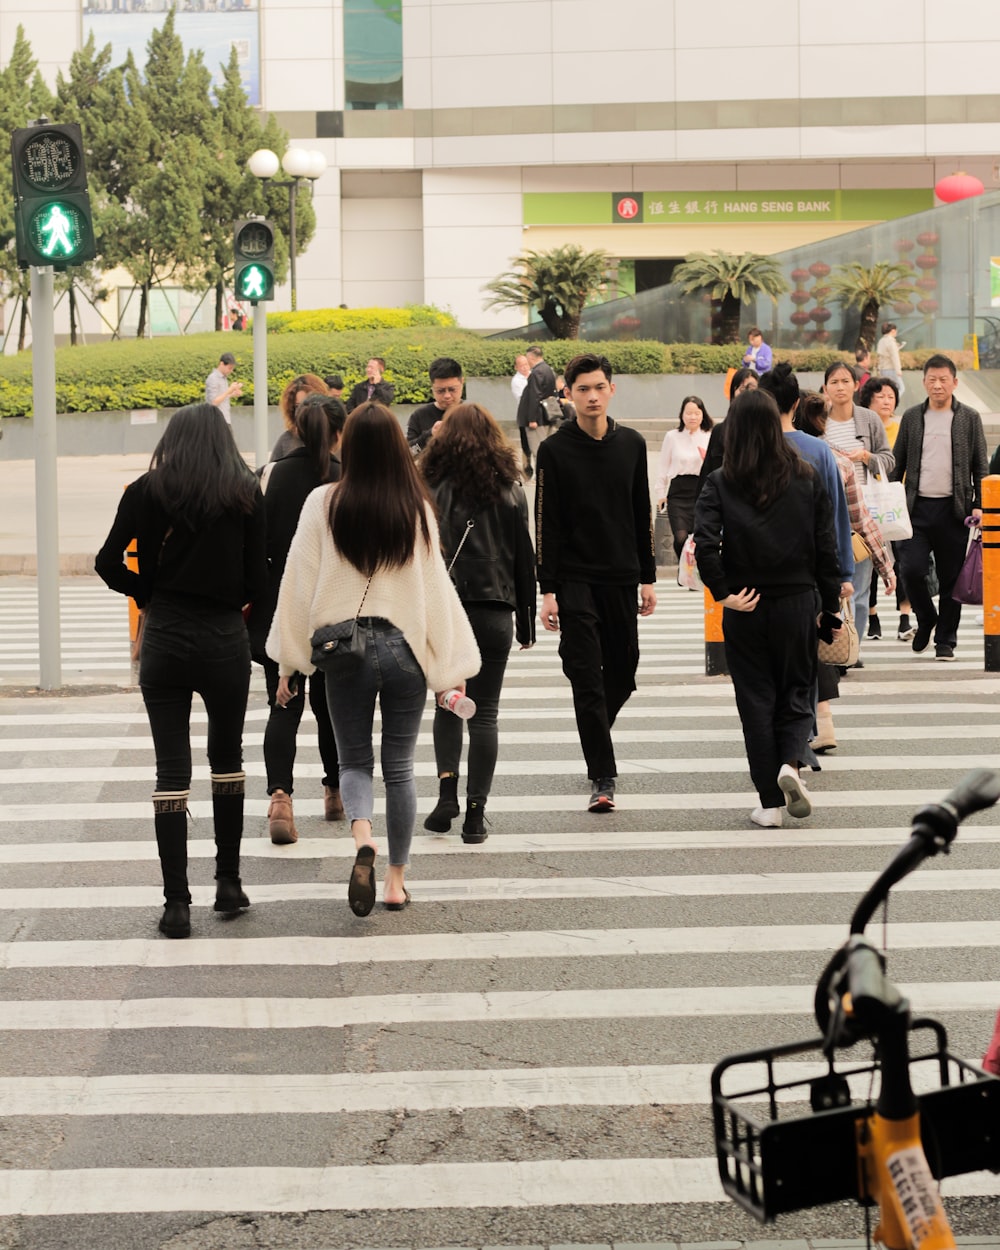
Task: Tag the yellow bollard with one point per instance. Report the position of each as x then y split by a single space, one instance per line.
991 572
715 647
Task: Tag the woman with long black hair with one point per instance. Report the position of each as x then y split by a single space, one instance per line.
319 422
775 570
472 474
198 518
681 458
368 548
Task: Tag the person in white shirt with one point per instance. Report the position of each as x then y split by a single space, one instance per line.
680 465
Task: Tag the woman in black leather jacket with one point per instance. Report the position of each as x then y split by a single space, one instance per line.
472 475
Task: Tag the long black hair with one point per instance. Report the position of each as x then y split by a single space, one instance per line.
380 502
758 461
706 420
196 470
318 421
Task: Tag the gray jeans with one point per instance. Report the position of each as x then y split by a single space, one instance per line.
391 674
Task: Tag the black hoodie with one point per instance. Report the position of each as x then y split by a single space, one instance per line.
593 520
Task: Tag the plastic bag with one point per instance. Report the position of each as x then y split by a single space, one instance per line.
687 567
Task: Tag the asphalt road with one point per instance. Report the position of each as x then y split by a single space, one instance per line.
522 1057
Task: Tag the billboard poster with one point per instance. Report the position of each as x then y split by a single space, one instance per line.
995 281
128 24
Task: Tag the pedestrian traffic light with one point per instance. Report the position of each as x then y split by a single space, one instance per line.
254 244
52 218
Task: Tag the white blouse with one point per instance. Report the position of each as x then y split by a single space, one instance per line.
681 454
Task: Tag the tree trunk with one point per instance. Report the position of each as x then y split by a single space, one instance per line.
729 325
869 323
220 303
143 305
554 321
23 328
72 313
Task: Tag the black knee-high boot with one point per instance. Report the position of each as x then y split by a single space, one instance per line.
170 822
227 811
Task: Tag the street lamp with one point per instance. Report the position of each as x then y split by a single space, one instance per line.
299 164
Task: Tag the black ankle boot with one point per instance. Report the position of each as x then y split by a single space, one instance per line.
474 825
229 896
439 820
176 920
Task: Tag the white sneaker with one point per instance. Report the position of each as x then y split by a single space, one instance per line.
766 817
795 792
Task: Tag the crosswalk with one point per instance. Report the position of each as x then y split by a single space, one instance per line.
521 1056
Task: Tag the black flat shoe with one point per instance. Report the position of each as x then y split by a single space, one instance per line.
400 906
361 887
229 896
176 920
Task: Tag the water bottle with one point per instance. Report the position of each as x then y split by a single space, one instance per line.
459 703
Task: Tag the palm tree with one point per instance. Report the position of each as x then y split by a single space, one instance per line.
732 280
557 284
868 289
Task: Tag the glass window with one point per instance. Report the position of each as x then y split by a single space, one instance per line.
373 54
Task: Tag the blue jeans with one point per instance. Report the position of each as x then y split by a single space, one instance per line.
493 626
390 673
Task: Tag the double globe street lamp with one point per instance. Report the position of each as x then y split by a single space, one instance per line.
300 165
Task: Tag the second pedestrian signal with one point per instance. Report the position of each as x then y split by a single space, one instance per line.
254 247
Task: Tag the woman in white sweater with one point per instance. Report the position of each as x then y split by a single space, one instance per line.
681 458
369 548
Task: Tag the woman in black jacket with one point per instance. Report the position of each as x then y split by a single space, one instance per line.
472 474
198 518
319 423
765 548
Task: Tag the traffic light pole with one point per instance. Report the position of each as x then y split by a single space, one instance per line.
260 384
43 365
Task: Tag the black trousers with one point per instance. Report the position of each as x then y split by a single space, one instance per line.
493 626
681 499
599 649
771 653
937 530
283 727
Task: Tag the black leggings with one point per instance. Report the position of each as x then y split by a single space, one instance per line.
283 727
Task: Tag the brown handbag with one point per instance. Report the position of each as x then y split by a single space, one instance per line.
845 648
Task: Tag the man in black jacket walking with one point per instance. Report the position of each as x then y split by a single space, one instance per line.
531 415
940 450
594 547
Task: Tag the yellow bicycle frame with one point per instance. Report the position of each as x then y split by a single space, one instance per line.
893 1170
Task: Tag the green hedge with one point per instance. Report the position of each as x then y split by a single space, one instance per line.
171 372
336 320
701 358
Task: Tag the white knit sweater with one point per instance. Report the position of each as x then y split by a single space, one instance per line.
320 587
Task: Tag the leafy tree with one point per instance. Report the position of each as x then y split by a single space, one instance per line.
733 280
557 284
858 286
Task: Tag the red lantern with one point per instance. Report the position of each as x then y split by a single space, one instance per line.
800 318
820 293
819 270
800 297
903 307
819 315
800 275
927 260
821 336
960 186
904 245
928 238
927 283
928 306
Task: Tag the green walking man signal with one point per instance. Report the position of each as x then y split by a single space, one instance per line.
52 217
253 244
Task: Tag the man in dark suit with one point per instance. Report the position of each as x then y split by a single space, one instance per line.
940 452
374 386
531 414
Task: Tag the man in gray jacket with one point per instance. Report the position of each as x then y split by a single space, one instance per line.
941 454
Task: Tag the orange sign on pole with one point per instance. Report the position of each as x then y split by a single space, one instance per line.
715 647
991 572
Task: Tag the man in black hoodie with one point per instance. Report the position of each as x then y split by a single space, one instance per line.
594 540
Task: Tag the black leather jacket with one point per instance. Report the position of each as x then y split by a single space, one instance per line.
497 562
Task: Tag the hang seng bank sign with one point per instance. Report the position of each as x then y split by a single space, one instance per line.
638 208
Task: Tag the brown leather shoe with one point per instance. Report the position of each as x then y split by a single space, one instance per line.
281 822
333 805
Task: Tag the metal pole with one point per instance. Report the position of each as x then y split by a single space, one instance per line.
293 190
973 261
259 384
43 369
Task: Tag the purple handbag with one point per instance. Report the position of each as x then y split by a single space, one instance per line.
968 586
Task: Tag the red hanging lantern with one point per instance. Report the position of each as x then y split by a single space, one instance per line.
926 260
928 306
904 245
927 283
820 293
819 270
821 336
800 318
928 238
800 297
819 315
800 275
903 307
960 186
